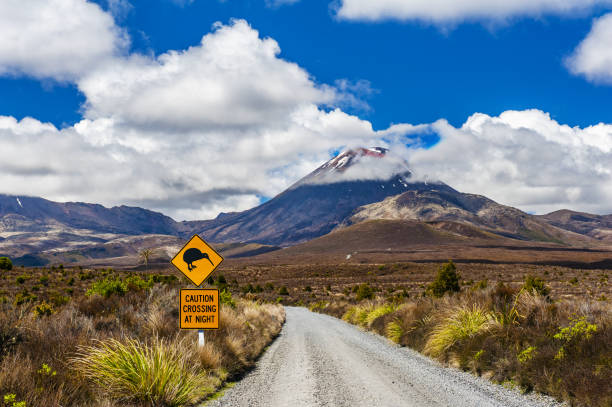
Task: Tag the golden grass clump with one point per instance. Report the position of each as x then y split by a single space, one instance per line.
159 373
461 323
379 311
394 331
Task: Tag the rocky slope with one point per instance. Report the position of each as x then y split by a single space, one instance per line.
469 209
596 226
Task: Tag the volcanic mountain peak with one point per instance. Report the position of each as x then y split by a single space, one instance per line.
359 164
347 158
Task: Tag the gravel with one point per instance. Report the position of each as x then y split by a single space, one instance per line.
319 360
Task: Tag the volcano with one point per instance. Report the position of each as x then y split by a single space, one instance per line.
321 201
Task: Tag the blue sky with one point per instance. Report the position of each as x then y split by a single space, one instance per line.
528 83
419 72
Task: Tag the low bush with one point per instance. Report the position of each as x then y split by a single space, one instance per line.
118 286
108 287
446 281
535 284
6 264
364 292
225 298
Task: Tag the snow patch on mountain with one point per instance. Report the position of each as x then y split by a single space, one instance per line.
360 164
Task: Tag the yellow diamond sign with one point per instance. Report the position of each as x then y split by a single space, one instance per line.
197 260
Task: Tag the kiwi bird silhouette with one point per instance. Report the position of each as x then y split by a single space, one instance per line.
192 255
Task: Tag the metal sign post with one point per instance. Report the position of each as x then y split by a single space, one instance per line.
198 308
201 338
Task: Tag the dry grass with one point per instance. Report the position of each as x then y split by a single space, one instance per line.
36 351
558 347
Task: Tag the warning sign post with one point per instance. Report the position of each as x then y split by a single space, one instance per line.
199 309
197 260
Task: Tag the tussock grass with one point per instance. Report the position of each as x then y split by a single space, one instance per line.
510 334
378 312
462 323
394 331
156 374
125 349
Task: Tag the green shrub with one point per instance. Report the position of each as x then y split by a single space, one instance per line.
363 292
447 280
6 263
283 291
58 300
481 285
159 374
10 400
578 330
527 354
22 279
24 297
225 297
108 287
535 284
137 283
43 310
44 280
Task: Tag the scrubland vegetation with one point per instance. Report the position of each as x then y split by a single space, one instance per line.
518 336
73 337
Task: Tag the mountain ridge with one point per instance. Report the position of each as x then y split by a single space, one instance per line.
346 190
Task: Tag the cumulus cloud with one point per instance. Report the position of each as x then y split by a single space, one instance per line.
59 39
190 133
233 78
443 11
524 159
593 57
219 125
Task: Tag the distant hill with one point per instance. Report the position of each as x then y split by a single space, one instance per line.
596 226
23 213
475 210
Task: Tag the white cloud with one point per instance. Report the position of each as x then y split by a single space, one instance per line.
524 159
119 8
593 57
60 39
232 79
214 127
188 133
443 11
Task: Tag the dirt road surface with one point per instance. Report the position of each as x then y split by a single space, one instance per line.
321 361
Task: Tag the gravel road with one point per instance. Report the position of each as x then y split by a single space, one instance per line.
321 361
